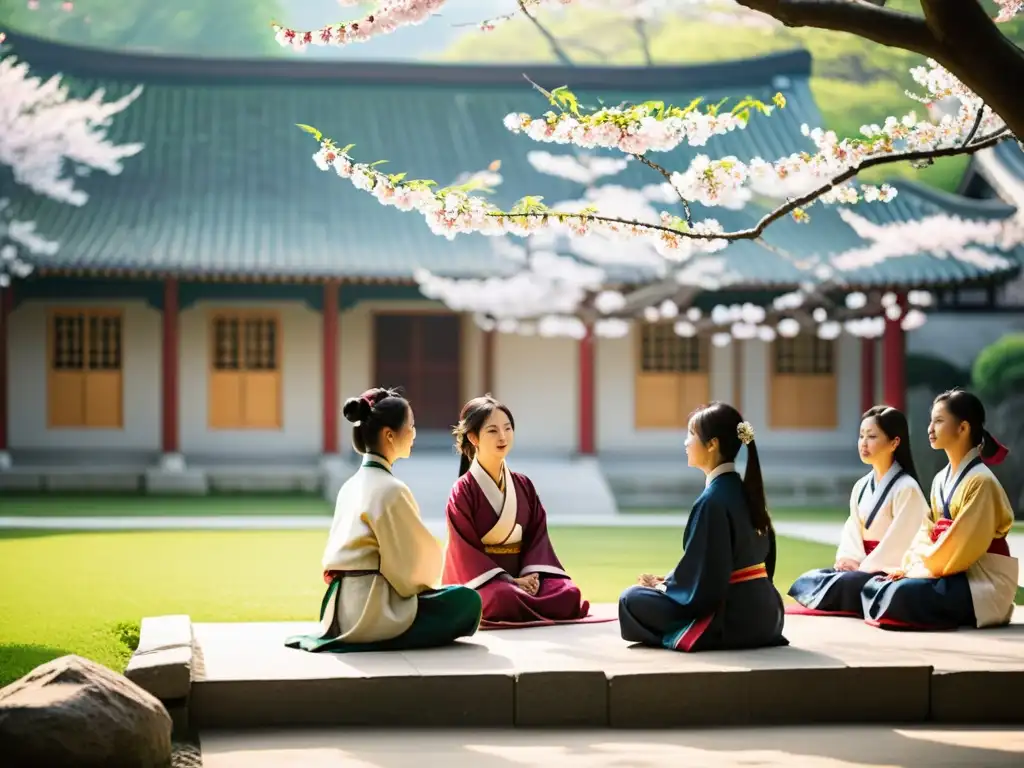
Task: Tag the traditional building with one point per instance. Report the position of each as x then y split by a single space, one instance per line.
212 306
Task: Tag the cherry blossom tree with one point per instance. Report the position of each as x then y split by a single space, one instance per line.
47 138
552 296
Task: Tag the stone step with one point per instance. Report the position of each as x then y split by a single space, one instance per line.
834 671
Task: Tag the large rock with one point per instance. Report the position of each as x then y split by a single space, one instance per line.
74 713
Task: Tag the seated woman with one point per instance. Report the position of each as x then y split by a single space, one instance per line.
958 571
887 508
381 564
498 540
720 594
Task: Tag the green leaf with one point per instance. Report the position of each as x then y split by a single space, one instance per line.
375 163
310 129
346 149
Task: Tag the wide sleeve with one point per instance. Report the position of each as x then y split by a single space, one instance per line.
700 579
909 512
971 533
466 562
410 556
851 540
538 555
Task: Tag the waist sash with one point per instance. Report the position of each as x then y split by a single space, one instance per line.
502 549
995 547
331 576
751 572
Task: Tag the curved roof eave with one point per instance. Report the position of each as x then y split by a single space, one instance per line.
85 61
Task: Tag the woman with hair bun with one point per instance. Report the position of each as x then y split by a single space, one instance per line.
720 594
958 571
498 541
381 563
887 508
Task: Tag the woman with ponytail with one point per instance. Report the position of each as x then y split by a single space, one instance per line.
381 564
958 571
498 541
720 594
887 508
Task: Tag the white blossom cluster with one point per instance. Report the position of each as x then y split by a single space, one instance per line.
47 139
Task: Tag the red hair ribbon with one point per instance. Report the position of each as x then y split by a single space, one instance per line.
1000 454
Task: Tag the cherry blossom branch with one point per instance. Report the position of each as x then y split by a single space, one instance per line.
790 206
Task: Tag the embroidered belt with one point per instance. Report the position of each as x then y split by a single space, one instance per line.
751 572
330 576
502 549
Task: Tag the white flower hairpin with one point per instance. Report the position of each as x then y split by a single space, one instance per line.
745 432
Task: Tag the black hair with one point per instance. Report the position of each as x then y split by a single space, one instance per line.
966 407
893 424
720 420
372 412
472 418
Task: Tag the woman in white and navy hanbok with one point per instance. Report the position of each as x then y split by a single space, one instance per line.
887 508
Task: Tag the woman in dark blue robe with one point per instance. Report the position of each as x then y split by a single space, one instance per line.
720 595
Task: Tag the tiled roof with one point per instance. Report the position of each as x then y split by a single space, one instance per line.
226 186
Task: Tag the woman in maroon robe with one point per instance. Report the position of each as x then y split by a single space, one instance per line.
498 540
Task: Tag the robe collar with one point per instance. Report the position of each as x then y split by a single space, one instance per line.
721 469
948 480
377 458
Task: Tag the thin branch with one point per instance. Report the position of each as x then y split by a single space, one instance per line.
791 205
668 177
977 124
640 28
552 41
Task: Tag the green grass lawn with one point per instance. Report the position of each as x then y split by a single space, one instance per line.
85 593
133 505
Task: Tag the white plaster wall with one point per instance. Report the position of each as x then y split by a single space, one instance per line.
27 390
615 381
538 378
301 384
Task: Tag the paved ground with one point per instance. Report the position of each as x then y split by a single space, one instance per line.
832 747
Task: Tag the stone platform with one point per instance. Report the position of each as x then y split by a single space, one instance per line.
834 671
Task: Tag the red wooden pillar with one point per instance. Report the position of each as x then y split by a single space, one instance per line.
487 362
169 363
586 394
6 307
867 374
894 360
330 367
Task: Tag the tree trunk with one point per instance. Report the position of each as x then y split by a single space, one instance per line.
958 34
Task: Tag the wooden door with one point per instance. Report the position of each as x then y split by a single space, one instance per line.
421 353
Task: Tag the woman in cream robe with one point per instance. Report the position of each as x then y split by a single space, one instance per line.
382 566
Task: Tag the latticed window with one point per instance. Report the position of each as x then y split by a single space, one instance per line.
662 350
84 380
248 343
245 380
804 355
